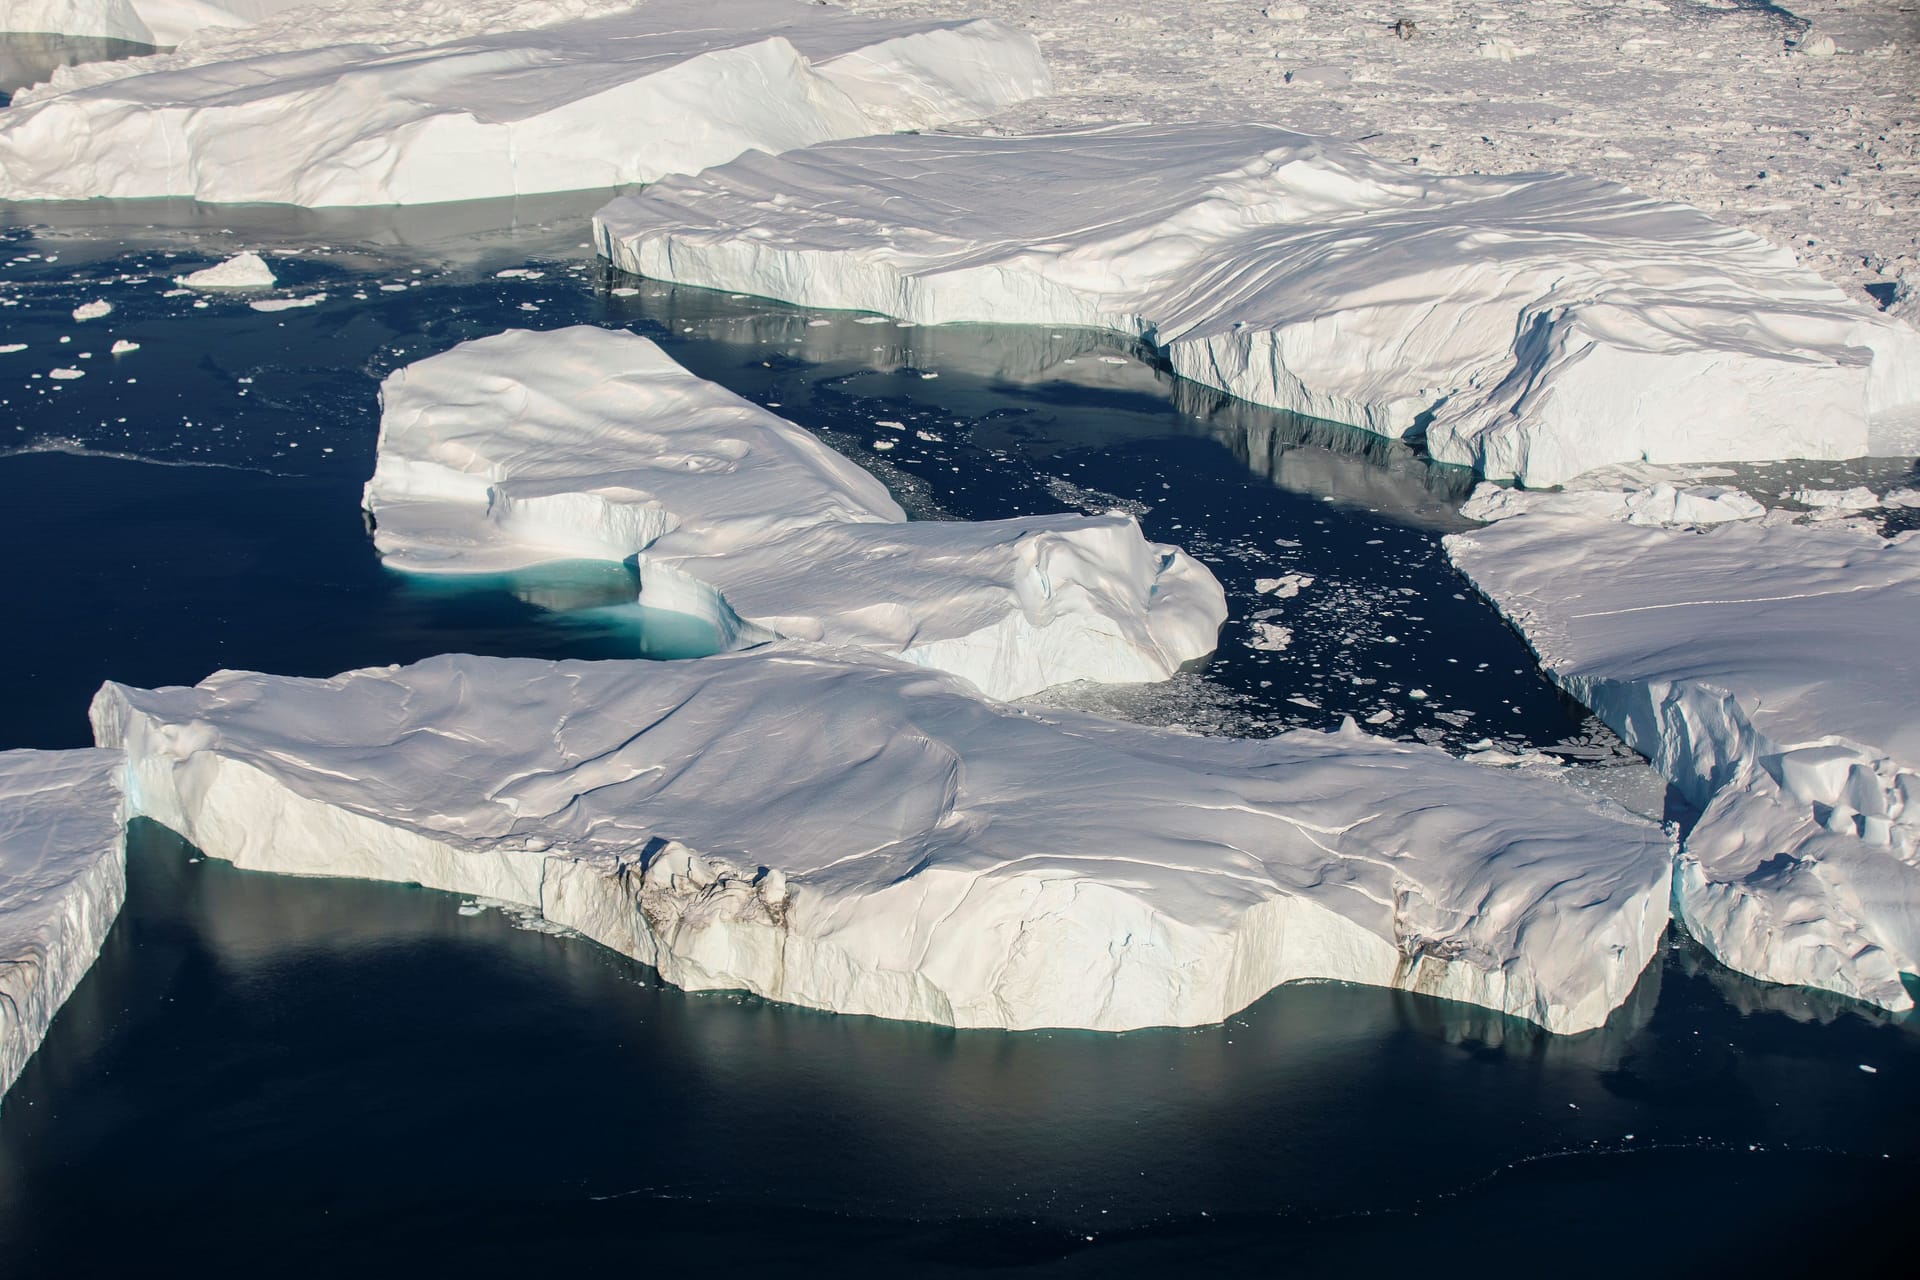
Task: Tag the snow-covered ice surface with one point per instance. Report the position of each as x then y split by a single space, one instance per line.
1534 326
63 876
344 105
1767 667
586 443
850 833
159 22
1708 102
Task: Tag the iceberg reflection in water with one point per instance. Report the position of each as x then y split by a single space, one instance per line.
342 1065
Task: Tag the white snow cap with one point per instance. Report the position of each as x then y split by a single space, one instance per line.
1767 670
939 857
357 105
62 879
1535 325
242 271
588 443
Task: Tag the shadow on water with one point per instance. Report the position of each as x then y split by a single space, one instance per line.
321 1070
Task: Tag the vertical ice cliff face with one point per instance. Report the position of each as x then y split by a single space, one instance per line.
346 104
839 830
1767 669
593 444
63 876
1530 325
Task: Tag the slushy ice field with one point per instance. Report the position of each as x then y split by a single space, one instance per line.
325 1072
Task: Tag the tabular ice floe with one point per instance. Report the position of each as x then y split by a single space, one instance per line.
1534 325
586 443
1768 669
63 877
846 832
668 87
159 22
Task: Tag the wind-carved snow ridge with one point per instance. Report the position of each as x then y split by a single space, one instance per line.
63 876
333 105
158 22
588 443
1532 325
843 831
1768 669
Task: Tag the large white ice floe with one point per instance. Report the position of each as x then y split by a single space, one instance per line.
1768 669
847 832
588 443
158 22
1535 325
666 87
63 876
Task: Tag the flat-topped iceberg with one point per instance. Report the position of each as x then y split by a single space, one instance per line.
851 833
588 443
1533 325
63 876
158 22
667 87
1768 669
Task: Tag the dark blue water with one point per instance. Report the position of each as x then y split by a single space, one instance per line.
308 1075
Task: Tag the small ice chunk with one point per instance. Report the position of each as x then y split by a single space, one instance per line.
242 271
1285 587
66 375
288 304
1271 636
93 310
121 347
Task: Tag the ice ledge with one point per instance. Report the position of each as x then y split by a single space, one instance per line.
854 834
1532 325
63 878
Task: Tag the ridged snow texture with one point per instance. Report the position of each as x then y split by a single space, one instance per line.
668 87
589 443
856 834
164 22
63 876
1768 670
1536 325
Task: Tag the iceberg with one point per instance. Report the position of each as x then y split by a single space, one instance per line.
313 112
1533 326
157 22
847 832
63 877
1766 668
588 443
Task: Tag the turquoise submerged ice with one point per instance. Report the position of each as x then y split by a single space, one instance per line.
588 443
847 832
